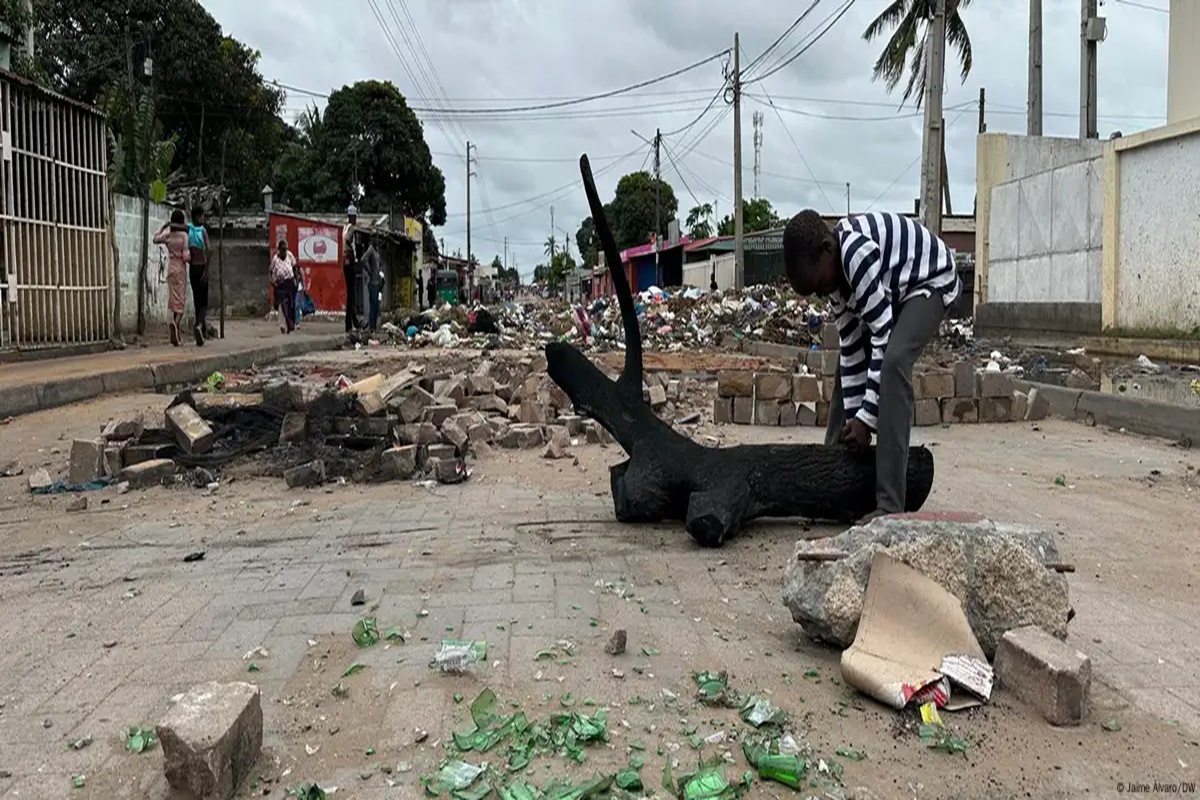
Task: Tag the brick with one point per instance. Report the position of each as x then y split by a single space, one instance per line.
148 473
658 396
447 470
87 460
806 388
596 433
532 412
1047 673
927 412
772 386
289 395
211 739
439 413
193 434
766 412
481 384
830 338
422 433
206 403
400 463
572 422
960 409
806 414
723 410
993 384
674 391
524 437
40 480
823 362
1038 407
488 403
787 414
995 409
294 428
310 474
411 407
137 453
934 385
743 410
828 387
363 426
735 383
481 433
822 414
455 436
1020 404
964 379
123 428
114 461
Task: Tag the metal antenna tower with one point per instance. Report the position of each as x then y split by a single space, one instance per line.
758 123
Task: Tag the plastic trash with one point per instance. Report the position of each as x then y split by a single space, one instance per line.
456 657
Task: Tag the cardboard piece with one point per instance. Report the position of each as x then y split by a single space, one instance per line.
914 643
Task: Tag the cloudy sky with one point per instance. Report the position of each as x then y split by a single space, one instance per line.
453 55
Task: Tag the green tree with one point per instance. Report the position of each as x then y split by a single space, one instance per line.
561 266
757 215
586 241
632 213
208 88
140 156
550 247
905 19
699 221
367 136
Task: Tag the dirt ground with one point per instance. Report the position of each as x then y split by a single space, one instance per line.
106 622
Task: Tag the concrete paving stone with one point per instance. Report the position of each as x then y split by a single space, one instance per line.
493 576
185 675
240 638
86 691
1168 704
533 591
575 604
128 380
206 624
292 608
71 390
292 577
519 614
326 583
317 625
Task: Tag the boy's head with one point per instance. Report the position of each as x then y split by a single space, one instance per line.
810 257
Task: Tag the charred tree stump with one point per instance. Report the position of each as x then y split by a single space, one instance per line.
714 491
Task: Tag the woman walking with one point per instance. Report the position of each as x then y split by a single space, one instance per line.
198 271
283 278
175 236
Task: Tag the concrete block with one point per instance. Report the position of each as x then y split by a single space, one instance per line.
370 403
488 403
830 338
993 384
787 414
934 385
743 410
964 379
448 470
822 414
211 739
823 362
400 463
596 433
418 433
735 383
70 390
658 396
193 434
723 410
40 480
1046 673
766 412
439 413
455 436
560 400
772 386
806 388
480 384
674 391
572 422
310 474
480 433
828 387
504 391
435 451
137 453
412 404
1038 407
523 437
1020 405
960 409
294 428
531 412
995 409
87 460
806 414
123 428
927 412
148 473
114 461
289 395
206 403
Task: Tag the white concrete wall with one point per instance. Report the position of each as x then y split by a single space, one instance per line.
1158 250
1046 234
700 273
1183 62
128 228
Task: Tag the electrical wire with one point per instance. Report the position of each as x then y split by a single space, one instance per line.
787 31
799 152
671 158
1145 6
789 59
913 163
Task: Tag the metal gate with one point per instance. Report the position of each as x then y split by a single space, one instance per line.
56 267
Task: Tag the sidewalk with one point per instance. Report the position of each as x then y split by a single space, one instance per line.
36 385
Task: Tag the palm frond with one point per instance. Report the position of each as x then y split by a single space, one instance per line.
889 18
957 36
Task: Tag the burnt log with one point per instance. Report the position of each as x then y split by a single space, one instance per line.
714 491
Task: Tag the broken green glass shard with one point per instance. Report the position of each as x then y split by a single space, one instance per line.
139 740
851 754
759 711
394 635
353 668
629 780
774 766
307 791
519 791
712 689
365 632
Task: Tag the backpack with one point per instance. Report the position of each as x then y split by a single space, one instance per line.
195 236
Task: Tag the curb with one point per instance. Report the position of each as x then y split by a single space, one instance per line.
1136 415
156 376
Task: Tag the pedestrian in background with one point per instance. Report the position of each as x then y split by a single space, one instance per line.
283 279
174 235
198 251
374 269
350 266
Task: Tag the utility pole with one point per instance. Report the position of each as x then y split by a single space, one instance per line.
1033 112
1092 30
200 145
552 241
931 167
657 204
847 198
469 175
739 262
506 255
945 171
221 240
29 40
982 110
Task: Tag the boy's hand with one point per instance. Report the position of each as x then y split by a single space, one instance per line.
856 436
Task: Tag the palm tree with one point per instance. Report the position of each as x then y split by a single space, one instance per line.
698 221
905 19
551 247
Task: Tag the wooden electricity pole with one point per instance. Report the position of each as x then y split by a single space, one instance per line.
931 167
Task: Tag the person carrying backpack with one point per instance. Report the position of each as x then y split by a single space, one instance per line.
198 271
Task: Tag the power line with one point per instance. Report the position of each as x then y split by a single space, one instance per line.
799 152
789 59
705 110
671 158
782 36
912 163
1145 6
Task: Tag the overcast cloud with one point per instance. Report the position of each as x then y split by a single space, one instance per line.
487 53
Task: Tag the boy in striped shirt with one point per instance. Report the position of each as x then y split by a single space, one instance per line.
889 281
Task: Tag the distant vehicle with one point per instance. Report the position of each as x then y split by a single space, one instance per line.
447 286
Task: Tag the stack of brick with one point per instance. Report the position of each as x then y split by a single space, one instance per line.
943 396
